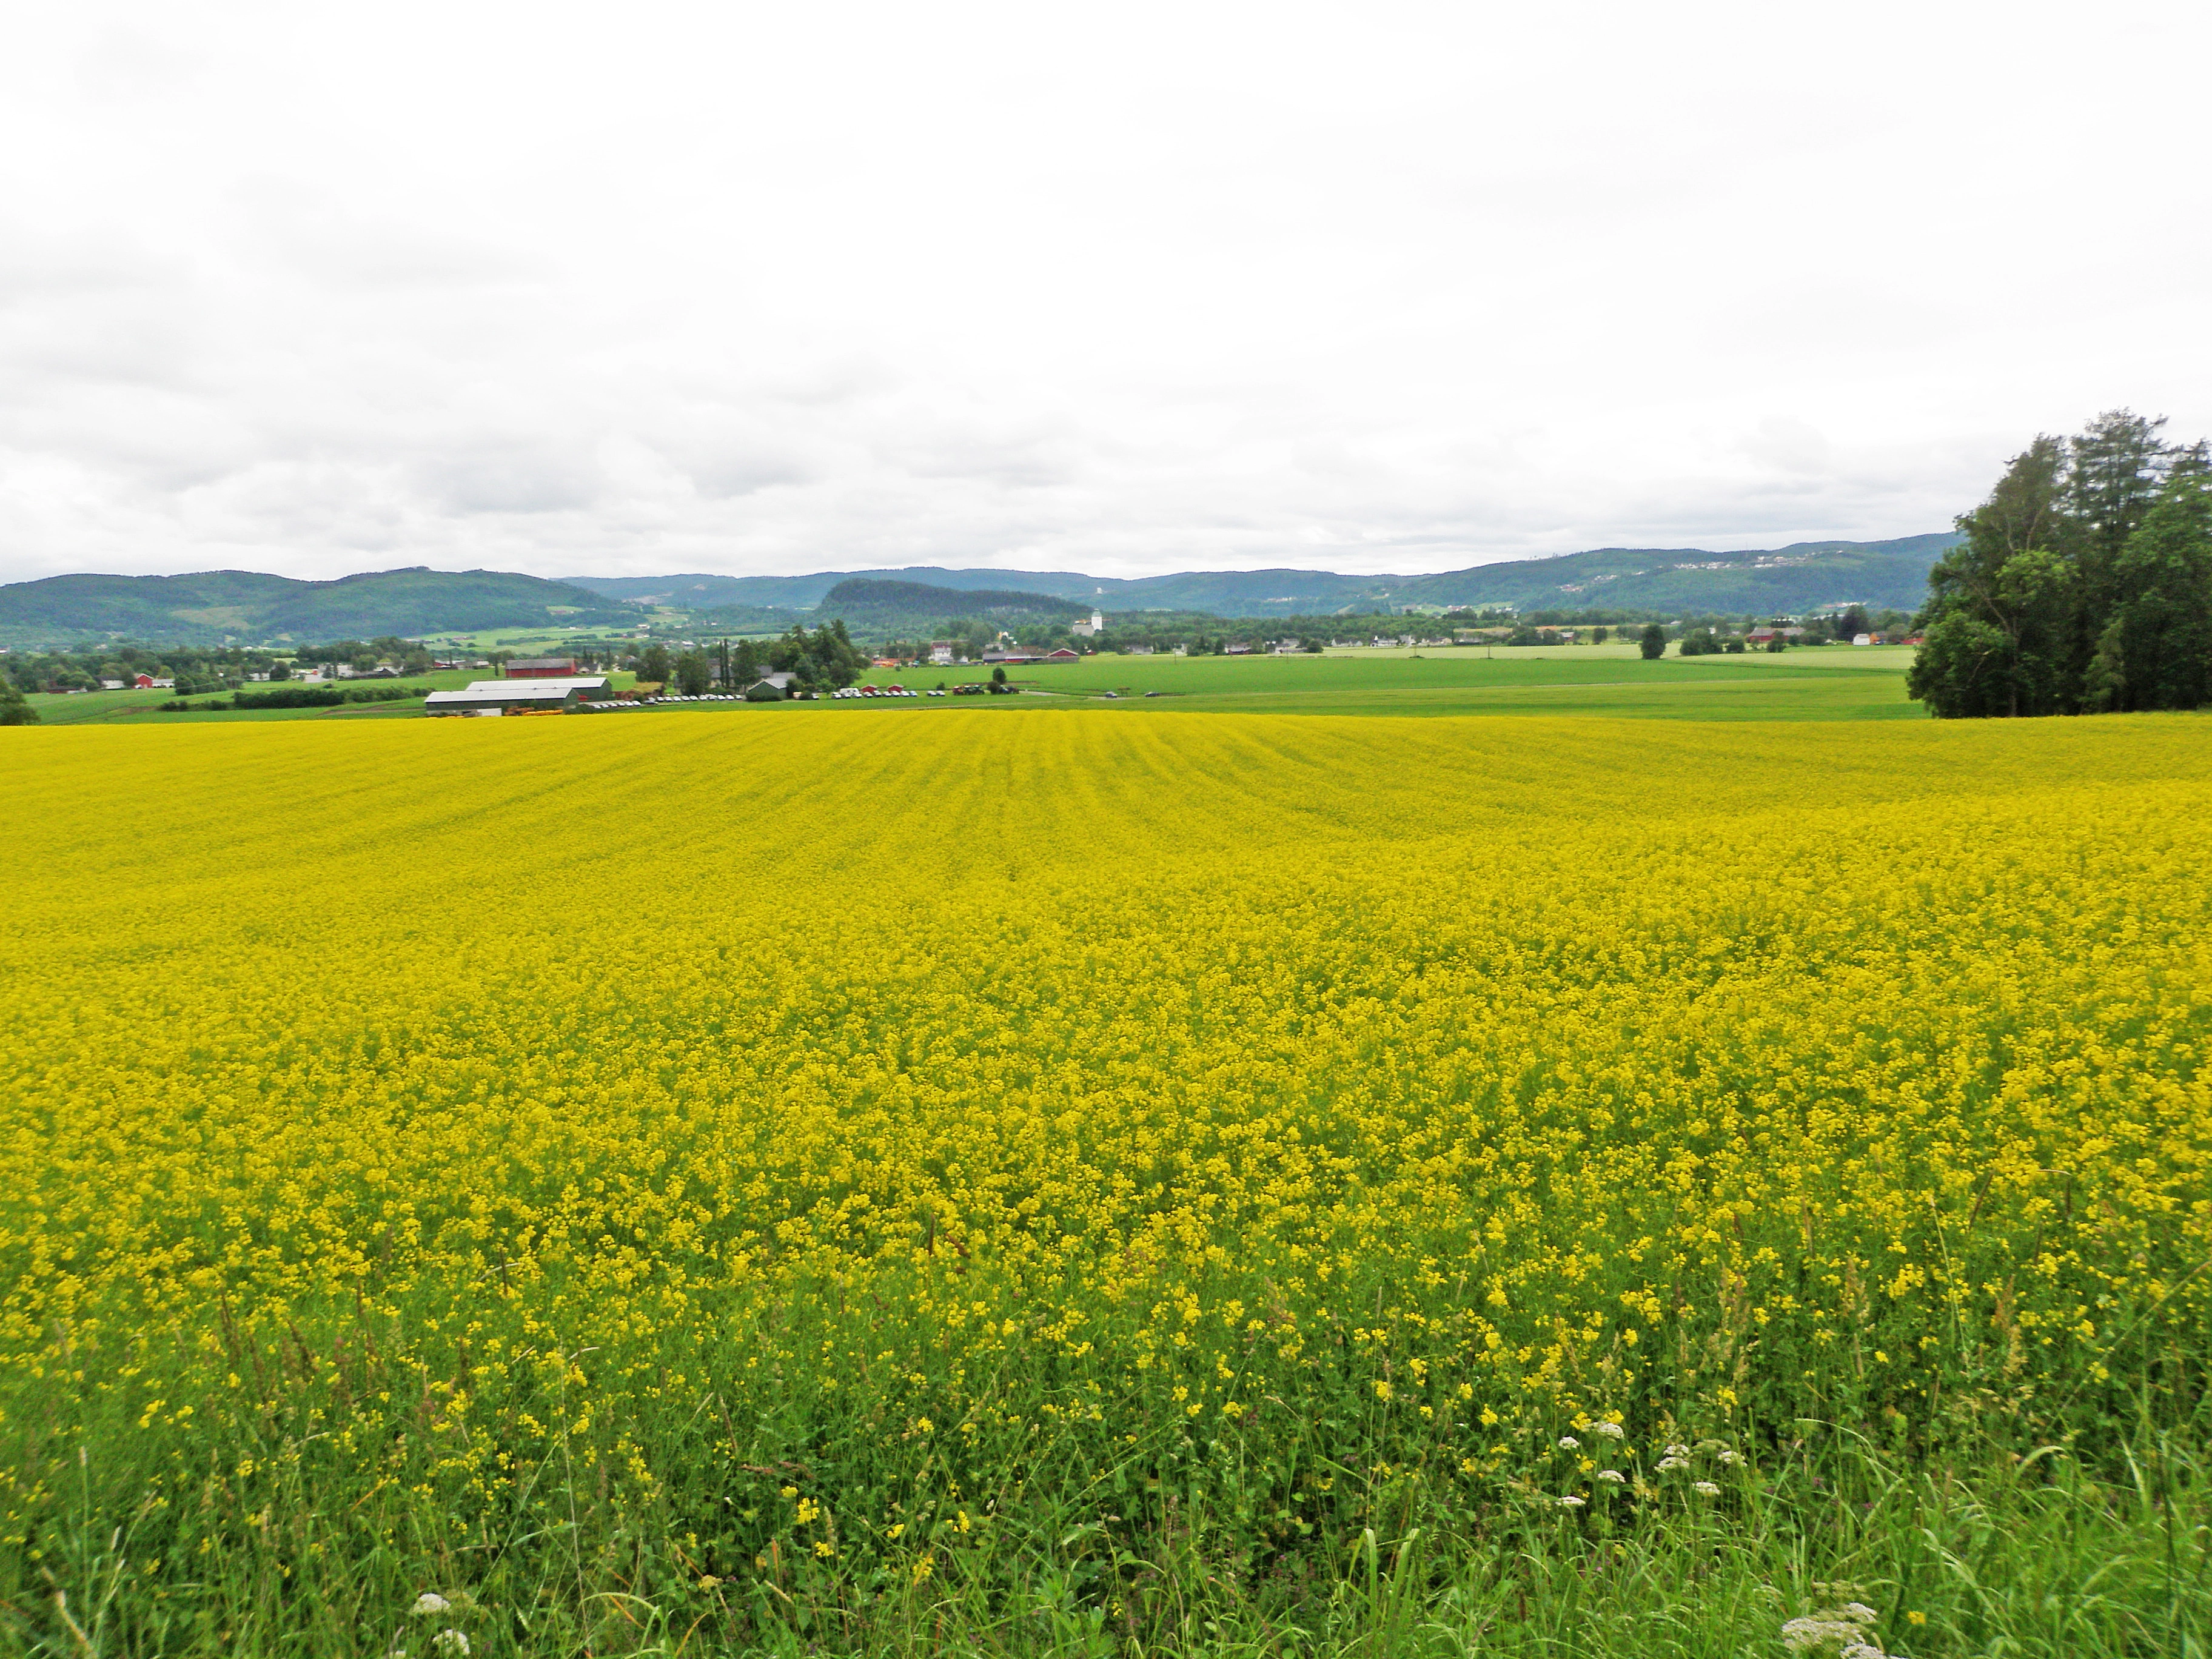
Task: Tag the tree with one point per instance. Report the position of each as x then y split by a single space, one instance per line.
15 708
2081 583
2156 652
2115 470
1993 624
1652 642
692 675
1852 623
653 665
997 676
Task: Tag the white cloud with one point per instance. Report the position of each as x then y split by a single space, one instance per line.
569 288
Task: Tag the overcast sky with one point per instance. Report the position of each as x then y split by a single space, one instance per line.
645 287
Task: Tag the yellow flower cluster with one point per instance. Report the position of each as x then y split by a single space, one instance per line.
435 1109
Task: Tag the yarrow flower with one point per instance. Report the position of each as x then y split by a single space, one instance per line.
1706 1488
1610 1431
1678 1451
430 1602
1612 1477
1729 1459
1567 1442
450 1640
1571 1503
1844 1629
1673 1462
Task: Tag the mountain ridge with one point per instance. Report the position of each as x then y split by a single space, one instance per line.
248 605
1801 576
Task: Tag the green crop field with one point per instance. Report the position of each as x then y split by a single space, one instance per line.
1837 683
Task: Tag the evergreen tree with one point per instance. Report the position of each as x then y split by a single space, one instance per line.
2156 652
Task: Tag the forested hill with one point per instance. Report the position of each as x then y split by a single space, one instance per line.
240 605
1782 581
870 603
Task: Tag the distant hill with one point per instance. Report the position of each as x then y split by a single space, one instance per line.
1802 576
872 604
251 608
240 605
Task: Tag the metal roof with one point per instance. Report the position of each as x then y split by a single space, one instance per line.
491 694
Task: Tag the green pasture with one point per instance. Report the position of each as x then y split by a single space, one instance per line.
1832 683
144 707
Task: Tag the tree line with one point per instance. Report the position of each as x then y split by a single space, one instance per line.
2082 585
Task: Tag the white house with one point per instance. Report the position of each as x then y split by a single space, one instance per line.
1085 631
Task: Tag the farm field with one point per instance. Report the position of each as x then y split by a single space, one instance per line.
1050 1181
144 707
1834 683
1837 683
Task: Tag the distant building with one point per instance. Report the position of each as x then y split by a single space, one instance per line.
1062 655
497 696
1136 650
542 668
143 682
940 652
1083 631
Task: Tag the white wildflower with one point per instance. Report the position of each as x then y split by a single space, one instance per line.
1610 1431
450 1640
1729 1459
1570 1503
1678 1451
1841 1629
1612 1477
1567 1442
1706 1488
430 1601
1670 1463
1816 1631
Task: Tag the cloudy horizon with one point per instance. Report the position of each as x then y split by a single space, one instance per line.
1399 287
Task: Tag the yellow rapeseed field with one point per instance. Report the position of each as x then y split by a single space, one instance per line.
746 1147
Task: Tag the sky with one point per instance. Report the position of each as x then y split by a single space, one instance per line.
764 289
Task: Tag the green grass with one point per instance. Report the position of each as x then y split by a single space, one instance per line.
1832 684
1838 683
144 707
2024 1557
